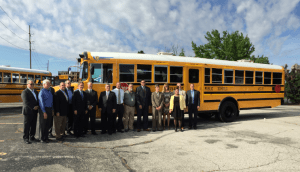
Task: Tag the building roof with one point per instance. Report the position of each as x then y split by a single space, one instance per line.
24 70
171 58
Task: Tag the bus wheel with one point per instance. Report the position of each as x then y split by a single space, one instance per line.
228 111
206 115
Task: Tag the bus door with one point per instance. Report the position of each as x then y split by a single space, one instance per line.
100 75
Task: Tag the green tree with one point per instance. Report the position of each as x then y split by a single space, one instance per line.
292 86
232 46
182 52
262 59
141 52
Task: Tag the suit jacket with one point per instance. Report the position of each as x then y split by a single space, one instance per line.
182 103
143 98
189 100
107 104
29 102
92 98
157 100
181 92
61 103
78 103
71 88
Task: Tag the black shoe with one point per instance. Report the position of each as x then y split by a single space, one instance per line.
109 133
126 130
121 131
60 139
69 132
27 141
32 139
190 127
48 140
51 135
181 130
195 127
94 133
44 141
175 129
153 130
103 132
138 130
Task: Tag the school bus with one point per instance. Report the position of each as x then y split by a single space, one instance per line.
13 81
226 87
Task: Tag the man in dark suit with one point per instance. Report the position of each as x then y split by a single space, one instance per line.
30 110
79 102
107 106
92 100
143 95
51 117
70 116
61 107
193 103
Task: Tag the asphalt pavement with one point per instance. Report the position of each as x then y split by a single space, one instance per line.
259 140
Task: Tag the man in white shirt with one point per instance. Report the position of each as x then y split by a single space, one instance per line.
120 108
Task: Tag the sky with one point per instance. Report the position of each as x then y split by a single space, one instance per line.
61 30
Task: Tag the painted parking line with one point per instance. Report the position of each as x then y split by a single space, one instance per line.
11 123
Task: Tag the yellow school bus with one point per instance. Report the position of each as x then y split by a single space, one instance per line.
13 81
226 87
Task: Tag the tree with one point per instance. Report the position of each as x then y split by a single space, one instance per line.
232 46
292 86
141 52
262 59
182 52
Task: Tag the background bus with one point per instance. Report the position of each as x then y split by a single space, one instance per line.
13 81
225 86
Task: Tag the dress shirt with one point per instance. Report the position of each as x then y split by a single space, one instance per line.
32 91
69 91
192 93
45 99
116 91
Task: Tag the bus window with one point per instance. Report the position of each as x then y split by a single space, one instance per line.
107 73
193 76
96 73
277 77
23 79
207 75
176 74
228 76
144 72
249 77
258 77
126 73
216 75
31 77
16 78
84 71
161 74
7 78
239 77
0 76
38 79
267 77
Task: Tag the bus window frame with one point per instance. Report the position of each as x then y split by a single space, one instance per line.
268 78
146 80
216 74
25 78
239 77
176 74
249 77
228 76
161 74
196 77
207 75
91 64
10 76
127 73
262 74
277 78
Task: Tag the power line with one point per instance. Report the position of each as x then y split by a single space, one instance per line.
13 44
12 20
13 32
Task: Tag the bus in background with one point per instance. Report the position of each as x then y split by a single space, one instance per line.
226 87
13 81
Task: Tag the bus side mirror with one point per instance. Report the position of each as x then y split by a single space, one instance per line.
92 70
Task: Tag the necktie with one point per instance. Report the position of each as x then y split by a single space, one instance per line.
81 94
65 95
34 94
119 97
106 95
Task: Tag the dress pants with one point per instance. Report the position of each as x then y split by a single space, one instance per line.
70 119
119 112
51 124
156 118
107 121
45 123
30 125
128 117
142 112
193 110
78 123
182 118
92 116
60 126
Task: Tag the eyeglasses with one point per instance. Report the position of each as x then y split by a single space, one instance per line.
142 82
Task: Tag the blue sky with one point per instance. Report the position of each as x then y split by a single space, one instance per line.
62 30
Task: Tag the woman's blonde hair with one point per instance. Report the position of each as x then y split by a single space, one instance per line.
164 90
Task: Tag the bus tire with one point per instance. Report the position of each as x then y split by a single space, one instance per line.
228 111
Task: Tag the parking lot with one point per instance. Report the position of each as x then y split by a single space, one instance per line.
259 140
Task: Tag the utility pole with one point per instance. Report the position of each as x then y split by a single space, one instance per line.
30 45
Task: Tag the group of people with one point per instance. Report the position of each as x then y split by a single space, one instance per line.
72 110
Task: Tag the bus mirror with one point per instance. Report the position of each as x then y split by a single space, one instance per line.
81 55
92 70
79 60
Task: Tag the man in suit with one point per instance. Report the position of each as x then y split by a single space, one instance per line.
107 106
79 102
30 110
46 111
51 117
120 108
157 99
143 101
193 103
61 110
70 116
92 100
